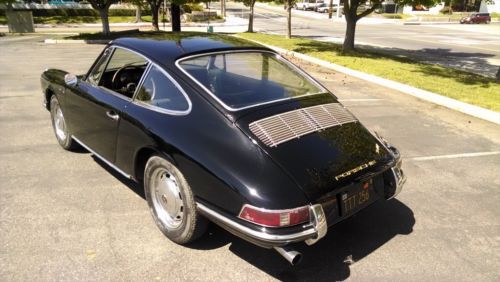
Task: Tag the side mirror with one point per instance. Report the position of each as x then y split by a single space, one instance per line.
70 79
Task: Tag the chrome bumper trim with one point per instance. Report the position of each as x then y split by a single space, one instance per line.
318 218
278 240
399 178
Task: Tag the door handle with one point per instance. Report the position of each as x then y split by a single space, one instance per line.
112 115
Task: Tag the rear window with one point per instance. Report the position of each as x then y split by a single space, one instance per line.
245 79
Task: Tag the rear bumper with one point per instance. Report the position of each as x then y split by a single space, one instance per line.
311 233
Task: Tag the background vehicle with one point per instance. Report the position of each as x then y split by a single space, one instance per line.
476 18
308 4
324 7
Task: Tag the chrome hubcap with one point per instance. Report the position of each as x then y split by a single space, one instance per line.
59 124
167 199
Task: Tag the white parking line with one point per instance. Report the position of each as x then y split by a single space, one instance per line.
454 156
360 100
18 38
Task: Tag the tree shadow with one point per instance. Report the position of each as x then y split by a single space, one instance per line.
427 61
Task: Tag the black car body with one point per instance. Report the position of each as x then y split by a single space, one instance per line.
267 167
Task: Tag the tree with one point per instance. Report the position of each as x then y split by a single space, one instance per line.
155 9
353 13
289 4
102 6
250 4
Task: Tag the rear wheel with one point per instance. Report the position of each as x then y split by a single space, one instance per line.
63 136
171 201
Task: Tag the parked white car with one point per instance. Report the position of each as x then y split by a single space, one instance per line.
308 4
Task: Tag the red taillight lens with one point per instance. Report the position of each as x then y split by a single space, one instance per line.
275 218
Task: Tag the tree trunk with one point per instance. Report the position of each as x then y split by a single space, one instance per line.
103 13
250 17
137 14
154 14
289 19
330 9
223 8
350 32
498 75
175 11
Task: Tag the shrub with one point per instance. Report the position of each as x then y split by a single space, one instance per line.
446 10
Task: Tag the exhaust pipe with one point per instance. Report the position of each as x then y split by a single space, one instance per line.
289 254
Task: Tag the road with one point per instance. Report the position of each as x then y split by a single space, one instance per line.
67 216
473 48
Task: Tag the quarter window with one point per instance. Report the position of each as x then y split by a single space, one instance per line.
158 90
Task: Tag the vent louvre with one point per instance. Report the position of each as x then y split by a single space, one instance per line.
283 127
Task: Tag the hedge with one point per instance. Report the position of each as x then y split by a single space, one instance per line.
81 12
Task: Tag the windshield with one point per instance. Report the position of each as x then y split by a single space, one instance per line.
245 79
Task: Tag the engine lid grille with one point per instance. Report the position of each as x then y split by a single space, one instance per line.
283 127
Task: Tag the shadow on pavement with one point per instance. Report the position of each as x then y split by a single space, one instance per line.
330 258
132 185
345 243
468 62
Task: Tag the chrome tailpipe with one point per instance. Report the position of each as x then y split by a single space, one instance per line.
291 255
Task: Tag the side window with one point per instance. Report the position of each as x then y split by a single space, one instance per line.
123 72
95 74
158 90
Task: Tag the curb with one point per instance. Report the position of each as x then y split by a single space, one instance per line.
65 41
450 103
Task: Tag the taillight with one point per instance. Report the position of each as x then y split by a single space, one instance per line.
275 218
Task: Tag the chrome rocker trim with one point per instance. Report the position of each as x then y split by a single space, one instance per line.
266 240
103 159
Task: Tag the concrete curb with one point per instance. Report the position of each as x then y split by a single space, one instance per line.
65 41
450 103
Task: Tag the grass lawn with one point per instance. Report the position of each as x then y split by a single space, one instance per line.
464 86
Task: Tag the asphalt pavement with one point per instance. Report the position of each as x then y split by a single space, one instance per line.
474 48
67 216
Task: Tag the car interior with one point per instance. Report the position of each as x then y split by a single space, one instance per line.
125 79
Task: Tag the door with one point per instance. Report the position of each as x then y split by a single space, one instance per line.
99 101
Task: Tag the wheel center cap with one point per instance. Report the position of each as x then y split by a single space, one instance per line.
164 199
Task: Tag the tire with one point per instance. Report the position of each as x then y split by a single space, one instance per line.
171 201
63 136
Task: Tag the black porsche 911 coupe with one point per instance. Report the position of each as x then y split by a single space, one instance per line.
221 129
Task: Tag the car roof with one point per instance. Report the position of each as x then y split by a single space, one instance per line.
166 48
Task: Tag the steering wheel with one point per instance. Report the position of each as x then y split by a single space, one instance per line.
116 81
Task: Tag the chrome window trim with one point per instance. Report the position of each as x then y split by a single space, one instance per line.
102 158
111 51
278 56
156 108
141 81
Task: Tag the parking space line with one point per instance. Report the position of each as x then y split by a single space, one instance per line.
360 100
18 38
454 156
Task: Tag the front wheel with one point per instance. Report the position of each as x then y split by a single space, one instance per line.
63 136
171 201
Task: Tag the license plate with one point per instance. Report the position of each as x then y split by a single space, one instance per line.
359 196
